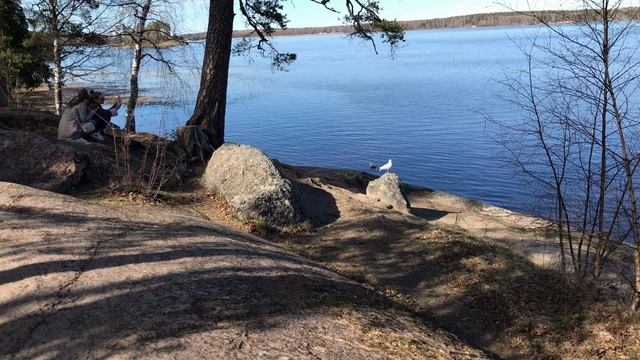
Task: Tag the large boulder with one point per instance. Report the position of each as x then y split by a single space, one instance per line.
31 155
388 190
252 184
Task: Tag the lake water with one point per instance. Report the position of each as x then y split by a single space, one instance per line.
340 105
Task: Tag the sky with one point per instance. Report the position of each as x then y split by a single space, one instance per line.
303 13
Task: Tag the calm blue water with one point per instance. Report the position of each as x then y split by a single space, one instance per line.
340 105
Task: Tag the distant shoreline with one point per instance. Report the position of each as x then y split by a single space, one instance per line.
482 20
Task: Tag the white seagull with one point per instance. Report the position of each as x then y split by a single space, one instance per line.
386 166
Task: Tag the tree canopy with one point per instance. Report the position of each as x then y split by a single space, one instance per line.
72 28
13 25
159 30
23 62
265 16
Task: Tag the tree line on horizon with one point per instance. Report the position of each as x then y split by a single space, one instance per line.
510 18
514 18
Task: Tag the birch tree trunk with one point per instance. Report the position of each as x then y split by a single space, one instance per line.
57 76
135 65
57 56
597 268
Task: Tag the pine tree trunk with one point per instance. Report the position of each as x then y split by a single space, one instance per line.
194 142
209 112
135 67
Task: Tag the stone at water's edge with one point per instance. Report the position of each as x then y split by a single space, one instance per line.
388 189
251 183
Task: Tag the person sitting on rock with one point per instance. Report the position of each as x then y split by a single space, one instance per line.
101 116
75 122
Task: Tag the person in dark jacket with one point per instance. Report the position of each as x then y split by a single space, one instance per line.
75 122
101 116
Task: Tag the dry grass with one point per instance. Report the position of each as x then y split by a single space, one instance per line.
485 293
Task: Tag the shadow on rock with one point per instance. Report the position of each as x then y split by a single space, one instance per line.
318 206
476 290
429 214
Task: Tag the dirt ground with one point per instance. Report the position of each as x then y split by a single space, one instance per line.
486 274
82 280
156 278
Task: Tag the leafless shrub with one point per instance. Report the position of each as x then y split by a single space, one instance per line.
145 163
578 140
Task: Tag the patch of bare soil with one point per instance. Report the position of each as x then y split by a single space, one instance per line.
82 280
483 273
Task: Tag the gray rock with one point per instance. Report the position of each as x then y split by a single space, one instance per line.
388 190
251 183
41 163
